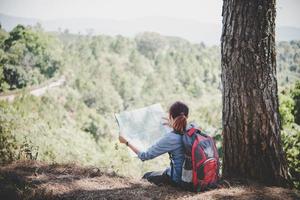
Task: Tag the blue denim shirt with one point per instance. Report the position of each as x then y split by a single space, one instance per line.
172 143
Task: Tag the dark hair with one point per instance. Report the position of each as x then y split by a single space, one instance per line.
179 112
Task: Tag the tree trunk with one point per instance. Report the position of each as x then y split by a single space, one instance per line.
251 125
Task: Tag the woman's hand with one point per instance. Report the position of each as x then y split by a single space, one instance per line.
131 146
122 139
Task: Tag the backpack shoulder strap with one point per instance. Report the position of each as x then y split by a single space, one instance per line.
191 131
171 164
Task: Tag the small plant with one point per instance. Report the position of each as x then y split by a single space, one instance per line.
8 143
28 151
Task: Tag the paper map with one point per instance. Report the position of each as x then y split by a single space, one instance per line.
143 126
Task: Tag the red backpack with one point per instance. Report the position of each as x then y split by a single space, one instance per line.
200 169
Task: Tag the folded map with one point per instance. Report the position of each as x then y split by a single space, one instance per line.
143 126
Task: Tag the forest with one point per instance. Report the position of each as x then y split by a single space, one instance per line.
108 74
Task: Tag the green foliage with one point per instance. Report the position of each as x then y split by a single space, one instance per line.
289 109
50 132
28 151
286 108
8 145
291 142
288 62
295 94
28 56
148 44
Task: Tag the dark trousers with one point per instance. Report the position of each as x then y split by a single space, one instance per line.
159 178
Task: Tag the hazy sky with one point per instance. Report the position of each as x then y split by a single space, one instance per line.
201 10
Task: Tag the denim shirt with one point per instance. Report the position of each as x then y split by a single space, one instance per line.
172 143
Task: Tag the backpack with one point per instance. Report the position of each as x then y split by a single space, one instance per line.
200 170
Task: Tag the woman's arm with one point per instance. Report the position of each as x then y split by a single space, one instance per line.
164 145
133 148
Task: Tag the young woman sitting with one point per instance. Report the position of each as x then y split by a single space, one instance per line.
170 143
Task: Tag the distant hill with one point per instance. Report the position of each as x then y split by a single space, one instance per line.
194 31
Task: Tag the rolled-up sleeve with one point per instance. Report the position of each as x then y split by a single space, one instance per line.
164 145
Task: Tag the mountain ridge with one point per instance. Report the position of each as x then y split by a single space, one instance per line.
192 30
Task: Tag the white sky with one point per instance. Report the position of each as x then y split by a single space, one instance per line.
201 10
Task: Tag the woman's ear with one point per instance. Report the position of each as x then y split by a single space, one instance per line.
171 120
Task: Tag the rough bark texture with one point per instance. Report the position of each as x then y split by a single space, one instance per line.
251 124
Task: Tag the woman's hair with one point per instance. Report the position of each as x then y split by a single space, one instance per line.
179 112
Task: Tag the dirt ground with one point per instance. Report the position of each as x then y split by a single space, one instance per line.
36 180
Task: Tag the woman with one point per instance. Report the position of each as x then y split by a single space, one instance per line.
170 143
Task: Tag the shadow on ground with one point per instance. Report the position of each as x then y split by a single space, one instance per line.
36 180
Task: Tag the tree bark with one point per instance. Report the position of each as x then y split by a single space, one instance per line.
251 125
